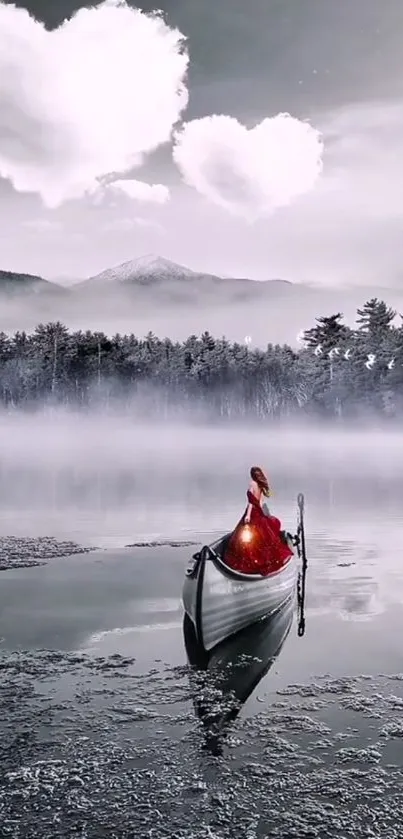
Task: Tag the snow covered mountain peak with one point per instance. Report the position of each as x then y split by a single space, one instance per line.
146 266
157 264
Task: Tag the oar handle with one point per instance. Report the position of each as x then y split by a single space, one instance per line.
302 574
301 627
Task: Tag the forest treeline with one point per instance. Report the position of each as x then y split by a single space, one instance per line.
337 372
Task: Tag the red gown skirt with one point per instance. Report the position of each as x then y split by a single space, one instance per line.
257 548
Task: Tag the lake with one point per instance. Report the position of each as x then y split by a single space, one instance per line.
99 734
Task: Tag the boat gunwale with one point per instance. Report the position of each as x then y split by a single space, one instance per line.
199 598
240 575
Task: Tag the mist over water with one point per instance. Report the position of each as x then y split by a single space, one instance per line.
110 479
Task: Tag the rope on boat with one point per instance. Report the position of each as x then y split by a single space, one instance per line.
300 544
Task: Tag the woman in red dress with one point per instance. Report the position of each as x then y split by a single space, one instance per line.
257 545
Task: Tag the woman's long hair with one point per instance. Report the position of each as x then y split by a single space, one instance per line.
260 479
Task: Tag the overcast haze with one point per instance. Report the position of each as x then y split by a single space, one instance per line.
337 65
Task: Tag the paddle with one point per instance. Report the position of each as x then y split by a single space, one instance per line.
301 550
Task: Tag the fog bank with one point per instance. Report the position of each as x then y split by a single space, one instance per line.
109 479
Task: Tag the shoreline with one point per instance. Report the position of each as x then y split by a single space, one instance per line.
31 552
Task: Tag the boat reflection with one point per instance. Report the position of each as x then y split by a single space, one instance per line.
222 680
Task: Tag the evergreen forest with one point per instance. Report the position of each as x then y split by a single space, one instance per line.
336 372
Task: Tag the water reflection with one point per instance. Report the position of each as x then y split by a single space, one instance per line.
357 577
222 680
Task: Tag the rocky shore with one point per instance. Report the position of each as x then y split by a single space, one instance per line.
27 552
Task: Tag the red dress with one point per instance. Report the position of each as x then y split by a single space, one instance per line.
257 548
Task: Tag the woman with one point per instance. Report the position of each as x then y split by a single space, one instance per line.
257 545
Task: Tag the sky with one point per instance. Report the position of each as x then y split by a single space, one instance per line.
123 134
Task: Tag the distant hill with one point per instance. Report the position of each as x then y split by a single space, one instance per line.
147 269
166 280
13 284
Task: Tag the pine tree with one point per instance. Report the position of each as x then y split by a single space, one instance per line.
375 318
329 332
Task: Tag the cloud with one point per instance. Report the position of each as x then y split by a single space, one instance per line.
140 191
42 225
128 224
149 224
249 172
87 99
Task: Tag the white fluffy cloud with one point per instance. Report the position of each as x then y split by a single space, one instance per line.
141 191
249 172
92 97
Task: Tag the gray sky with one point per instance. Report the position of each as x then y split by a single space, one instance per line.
338 64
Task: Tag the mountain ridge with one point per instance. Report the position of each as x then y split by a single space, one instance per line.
15 282
154 294
151 270
145 270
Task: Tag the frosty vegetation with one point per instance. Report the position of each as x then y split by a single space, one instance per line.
337 372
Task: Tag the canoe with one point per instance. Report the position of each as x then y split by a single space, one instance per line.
221 602
221 681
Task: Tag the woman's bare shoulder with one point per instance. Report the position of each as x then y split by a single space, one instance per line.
253 487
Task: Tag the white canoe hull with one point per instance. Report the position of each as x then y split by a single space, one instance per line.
220 602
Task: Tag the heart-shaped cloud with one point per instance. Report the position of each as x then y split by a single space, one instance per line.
89 98
249 172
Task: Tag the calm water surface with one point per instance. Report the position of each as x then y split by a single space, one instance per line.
99 735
